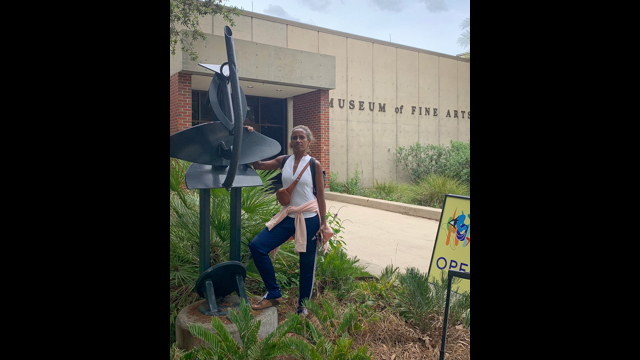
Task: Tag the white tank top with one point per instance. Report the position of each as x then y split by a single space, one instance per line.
303 192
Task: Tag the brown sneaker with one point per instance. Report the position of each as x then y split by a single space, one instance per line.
265 303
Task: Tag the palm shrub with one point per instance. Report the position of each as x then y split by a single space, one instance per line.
334 322
378 290
330 338
221 345
423 303
336 271
316 343
324 349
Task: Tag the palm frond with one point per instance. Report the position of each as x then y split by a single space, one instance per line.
349 319
287 326
247 326
343 346
205 334
465 38
230 346
465 23
300 347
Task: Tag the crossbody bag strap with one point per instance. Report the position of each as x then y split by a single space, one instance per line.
295 182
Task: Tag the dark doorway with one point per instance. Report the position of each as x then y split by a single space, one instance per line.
268 116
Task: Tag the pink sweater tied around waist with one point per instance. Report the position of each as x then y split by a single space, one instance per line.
300 237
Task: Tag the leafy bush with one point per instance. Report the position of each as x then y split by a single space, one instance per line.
453 161
377 292
458 165
421 160
389 190
337 271
337 240
430 191
335 185
329 339
423 303
351 186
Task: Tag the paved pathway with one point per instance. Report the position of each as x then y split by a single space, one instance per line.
379 237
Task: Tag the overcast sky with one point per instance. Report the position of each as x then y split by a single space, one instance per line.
426 24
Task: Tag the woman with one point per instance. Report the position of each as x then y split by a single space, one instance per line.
304 218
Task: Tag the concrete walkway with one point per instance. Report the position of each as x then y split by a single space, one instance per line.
381 237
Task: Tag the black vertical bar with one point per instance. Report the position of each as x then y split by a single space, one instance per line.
237 108
205 230
446 317
236 207
451 274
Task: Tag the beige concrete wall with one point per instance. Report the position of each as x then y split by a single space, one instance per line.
302 39
384 122
407 96
371 71
261 62
269 32
241 30
429 96
448 99
464 101
359 119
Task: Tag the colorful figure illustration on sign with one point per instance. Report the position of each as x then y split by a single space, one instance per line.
462 230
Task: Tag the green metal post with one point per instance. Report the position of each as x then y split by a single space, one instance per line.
205 230
236 207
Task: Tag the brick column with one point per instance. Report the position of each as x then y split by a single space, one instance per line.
312 109
180 102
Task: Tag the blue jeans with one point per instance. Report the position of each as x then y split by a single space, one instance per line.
267 240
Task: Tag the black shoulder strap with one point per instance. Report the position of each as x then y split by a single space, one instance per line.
312 161
284 160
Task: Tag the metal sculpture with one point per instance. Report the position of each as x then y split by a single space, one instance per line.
219 152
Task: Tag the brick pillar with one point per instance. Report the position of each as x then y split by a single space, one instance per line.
180 102
312 109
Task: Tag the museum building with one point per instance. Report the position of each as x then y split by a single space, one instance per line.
361 97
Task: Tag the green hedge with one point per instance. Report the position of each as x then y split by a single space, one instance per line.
453 161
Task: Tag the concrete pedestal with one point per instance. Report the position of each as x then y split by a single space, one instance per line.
191 315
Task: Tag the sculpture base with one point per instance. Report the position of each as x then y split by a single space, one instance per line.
191 315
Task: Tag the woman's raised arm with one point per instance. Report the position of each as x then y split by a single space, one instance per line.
269 164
